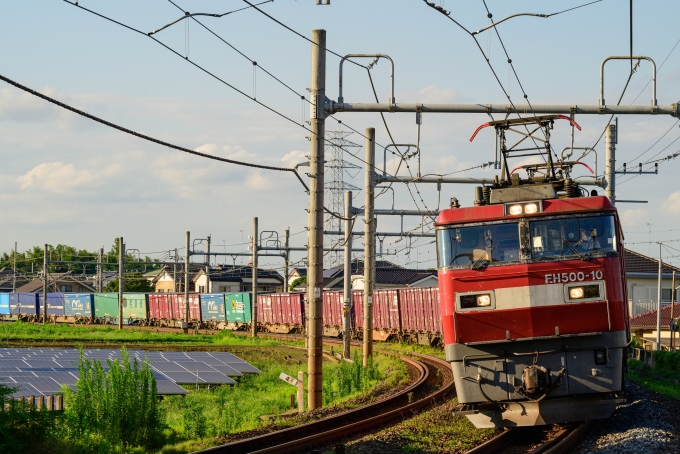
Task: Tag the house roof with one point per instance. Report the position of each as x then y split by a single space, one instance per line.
36 284
638 263
7 281
390 276
237 274
301 271
194 268
648 319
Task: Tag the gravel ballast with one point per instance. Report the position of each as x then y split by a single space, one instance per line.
647 423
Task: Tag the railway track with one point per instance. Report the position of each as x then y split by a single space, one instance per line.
559 439
416 396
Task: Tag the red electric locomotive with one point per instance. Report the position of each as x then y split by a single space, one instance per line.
533 296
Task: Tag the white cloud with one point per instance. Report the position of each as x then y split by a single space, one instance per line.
673 203
634 217
56 177
430 95
293 158
208 148
259 181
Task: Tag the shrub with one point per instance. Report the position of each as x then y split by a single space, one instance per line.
120 405
349 378
21 425
667 360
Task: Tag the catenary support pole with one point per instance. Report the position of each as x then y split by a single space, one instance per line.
121 280
286 259
187 257
207 255
369 244
347 287
315 220
100 271
610 163
253 307
14 276
45 271
658 305
174 273
673 310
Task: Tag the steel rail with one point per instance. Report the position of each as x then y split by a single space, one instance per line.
298 437
560 442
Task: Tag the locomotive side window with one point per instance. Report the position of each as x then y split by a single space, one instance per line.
570 236
478 246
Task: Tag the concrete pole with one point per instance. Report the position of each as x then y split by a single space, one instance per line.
286 263
121 280
315 221
610 163
253 304
14 277
207 252
187 256
658 306
673 309
174 273
45 271
369 244
100 271
347 287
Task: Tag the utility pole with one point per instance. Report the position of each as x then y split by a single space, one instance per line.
658 306
672 310
369 245
207 267
253 305
610 162
174 273
348 274
207 255
100 274
121 280
315 220
45 285
185 324
14 278
286 258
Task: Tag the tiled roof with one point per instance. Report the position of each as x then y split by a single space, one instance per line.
638 263
648 319
237 274
391 276
37 284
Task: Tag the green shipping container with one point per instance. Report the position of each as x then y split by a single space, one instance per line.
237 307
106 305
135 306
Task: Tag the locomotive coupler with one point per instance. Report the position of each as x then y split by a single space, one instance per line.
535 379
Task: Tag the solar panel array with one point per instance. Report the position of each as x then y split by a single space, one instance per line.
36 372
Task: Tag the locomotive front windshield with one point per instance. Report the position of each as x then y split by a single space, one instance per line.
579 237
479 245
557 238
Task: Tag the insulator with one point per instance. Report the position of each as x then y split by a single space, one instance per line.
479 196
569 187
486 191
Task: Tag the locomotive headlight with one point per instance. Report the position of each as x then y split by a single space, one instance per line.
600 356
484 300
514 210
576 293
530 208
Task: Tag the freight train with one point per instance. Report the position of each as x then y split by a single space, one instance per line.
533 296
405 314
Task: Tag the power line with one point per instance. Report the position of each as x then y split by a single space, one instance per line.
145 137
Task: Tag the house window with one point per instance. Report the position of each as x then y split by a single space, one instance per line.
201 289
65 288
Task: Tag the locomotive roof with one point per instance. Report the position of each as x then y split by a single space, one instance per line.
550 207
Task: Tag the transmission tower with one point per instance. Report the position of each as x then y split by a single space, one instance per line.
335 186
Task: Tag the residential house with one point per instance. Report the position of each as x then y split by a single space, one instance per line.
643 326
171 278
642 275
7 281
237 279
59 282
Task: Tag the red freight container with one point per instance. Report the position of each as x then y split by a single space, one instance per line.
170 306
386 320
281 312
420 309
333 303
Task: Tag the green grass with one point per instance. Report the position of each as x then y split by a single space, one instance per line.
400 348
194 421
29 332
662 381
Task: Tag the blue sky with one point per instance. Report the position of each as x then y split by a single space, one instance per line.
68 180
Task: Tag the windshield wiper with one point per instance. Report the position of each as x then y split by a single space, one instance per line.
480 261
565 241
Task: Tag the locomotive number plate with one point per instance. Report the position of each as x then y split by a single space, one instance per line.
574 276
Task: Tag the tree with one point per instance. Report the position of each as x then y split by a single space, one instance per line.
134 282
302 280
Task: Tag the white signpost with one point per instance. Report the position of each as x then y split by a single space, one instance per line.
299 383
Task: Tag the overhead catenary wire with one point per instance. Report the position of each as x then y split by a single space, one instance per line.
145 137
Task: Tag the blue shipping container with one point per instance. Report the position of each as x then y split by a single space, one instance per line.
79 304
4 303
212 307
23 303
55 303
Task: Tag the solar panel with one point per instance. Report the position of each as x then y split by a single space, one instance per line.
184 377
227 370
167 366
194 366
24 390
215 378
167 387
44 385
